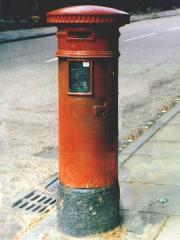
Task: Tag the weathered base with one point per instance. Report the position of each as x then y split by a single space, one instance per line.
83 212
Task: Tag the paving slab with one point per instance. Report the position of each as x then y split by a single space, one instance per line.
170 133
150 198
175 120
132 148
135 225
143 224
162 149
171 229
122 158
151 169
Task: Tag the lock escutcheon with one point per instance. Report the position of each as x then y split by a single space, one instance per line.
100 111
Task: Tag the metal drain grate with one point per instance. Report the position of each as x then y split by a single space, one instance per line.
35 201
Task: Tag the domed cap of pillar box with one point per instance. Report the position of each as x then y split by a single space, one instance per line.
88 14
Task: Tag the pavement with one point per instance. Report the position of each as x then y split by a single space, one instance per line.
149 177
17 35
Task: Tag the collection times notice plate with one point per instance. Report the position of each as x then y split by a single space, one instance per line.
79 77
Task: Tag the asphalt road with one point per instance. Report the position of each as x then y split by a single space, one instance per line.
149 75
149 68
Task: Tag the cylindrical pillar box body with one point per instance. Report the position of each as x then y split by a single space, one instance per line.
88 110
88 197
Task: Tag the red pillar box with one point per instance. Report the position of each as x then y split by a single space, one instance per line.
88 196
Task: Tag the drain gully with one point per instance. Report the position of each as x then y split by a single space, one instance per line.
35 202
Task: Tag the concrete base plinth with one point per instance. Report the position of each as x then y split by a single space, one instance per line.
83 212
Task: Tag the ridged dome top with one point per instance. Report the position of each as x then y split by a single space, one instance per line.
88 14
